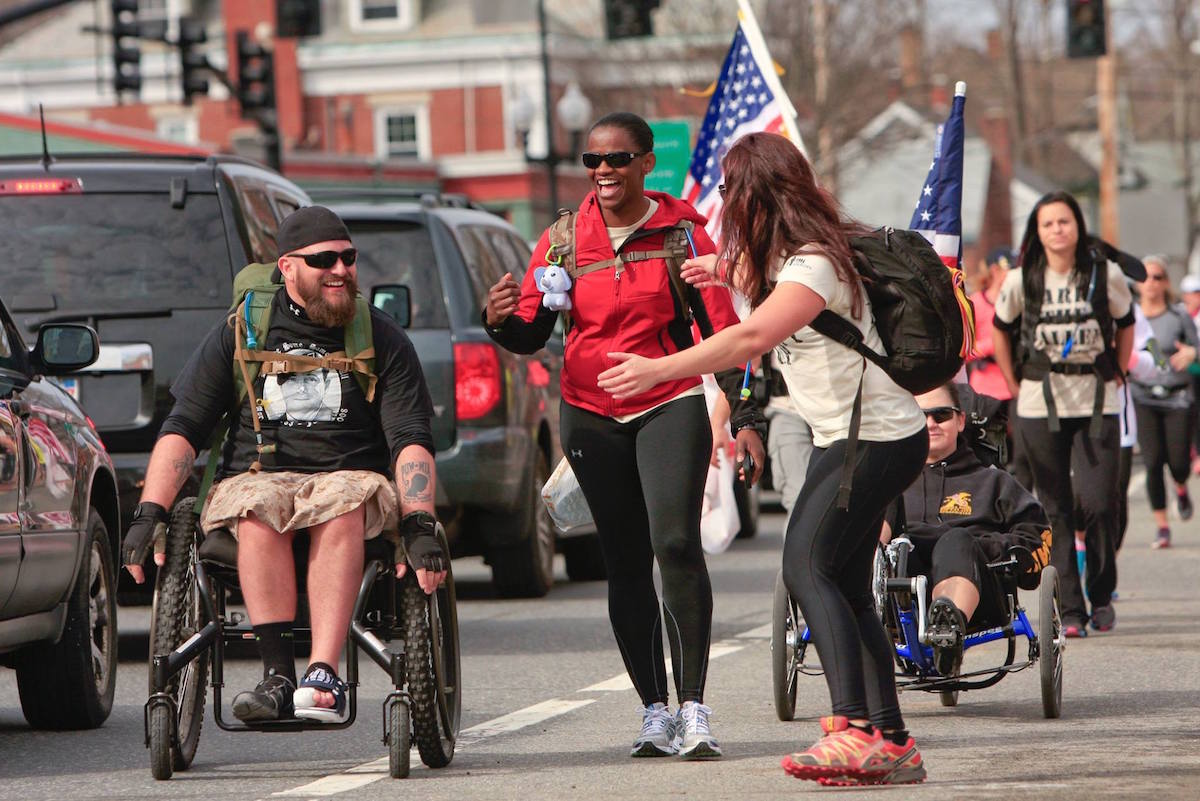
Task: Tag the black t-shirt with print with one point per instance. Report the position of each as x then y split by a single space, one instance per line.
319 421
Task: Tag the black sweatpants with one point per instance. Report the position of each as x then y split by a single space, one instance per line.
1165 437
957 552
1097 462
828 555
644 482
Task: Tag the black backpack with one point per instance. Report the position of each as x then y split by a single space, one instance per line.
922 314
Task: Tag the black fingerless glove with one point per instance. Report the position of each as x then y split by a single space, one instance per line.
418 530
139 537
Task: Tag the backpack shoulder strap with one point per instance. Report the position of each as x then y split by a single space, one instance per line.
562 242
839 329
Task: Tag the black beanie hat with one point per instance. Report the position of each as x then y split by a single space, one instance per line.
308 226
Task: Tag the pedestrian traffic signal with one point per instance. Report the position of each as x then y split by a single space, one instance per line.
256 75
126 55
624 19
192 62
1085 29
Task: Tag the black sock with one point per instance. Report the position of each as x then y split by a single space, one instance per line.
896 736
277 648
864 727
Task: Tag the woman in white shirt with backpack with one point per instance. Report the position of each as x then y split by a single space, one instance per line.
791 243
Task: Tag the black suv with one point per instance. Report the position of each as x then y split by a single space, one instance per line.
143 249
496 424
59 527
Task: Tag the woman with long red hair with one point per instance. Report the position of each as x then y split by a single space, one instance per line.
791 244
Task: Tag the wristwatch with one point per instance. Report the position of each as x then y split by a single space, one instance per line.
152 510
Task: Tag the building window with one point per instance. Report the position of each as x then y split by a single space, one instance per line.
402 133
367 15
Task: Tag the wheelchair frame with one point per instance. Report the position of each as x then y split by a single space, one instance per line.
428 624
894 594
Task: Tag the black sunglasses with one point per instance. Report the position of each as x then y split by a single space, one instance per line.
325 259
941 414
618 159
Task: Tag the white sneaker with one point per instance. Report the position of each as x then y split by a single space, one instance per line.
693 737
657 737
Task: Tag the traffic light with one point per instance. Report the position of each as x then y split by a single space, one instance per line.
624 19
127 56
192 62
256 75
1085 29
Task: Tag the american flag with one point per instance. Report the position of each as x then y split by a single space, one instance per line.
747 97
938 215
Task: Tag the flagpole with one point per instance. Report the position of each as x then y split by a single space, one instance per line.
758 45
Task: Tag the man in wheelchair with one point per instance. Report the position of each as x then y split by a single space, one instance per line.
961 515
326 466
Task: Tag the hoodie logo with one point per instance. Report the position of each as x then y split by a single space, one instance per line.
957 504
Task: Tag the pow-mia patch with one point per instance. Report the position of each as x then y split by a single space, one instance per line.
957 504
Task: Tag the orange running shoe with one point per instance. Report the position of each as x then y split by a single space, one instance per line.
901 764
844 751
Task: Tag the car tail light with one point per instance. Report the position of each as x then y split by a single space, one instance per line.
478 379
41 186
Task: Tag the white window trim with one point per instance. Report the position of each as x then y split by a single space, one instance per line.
420 112
405 17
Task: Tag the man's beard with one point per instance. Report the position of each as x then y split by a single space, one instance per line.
329 313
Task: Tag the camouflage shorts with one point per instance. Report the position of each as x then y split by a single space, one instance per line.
291 501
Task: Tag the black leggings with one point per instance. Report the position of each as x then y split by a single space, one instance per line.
1096 467
644 482
827 559
1165 437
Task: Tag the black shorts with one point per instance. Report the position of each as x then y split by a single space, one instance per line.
956 553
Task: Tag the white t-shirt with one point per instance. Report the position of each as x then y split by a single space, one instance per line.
822 375
1074 395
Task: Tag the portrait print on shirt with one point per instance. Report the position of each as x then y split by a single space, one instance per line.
303 399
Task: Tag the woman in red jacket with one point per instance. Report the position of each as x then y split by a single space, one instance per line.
641 461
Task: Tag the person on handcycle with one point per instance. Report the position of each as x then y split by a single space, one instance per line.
961 515
326 466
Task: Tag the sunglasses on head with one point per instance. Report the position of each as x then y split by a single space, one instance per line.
620 158
325 259
941 414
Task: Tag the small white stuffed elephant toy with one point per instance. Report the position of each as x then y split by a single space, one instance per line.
554 282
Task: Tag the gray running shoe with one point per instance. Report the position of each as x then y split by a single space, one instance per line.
657 737
270 700
693 737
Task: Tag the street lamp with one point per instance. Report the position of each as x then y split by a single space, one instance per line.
574 112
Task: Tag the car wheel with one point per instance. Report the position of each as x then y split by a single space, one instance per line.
585 560
70 684
526 570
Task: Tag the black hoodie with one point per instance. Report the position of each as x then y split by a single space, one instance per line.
960 492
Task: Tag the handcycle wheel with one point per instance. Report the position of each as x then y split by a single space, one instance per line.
784 662
1050 643
433 665
176 615
399 739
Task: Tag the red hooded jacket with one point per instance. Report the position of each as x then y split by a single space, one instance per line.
635 312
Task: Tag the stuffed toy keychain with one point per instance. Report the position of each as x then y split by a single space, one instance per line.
554 282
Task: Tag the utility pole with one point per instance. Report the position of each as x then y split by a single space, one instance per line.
551 165
826 161
1106 118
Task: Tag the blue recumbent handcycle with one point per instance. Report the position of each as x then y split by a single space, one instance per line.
412 636
901 602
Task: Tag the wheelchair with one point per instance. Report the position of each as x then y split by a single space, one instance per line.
900 601
191 626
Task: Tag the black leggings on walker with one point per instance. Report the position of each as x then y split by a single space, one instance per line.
827 559
644 482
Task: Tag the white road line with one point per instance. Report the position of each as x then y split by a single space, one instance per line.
370 772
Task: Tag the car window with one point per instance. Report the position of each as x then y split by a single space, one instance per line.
261 224
8 346
106 251
484 265
398 252
524 254
285 206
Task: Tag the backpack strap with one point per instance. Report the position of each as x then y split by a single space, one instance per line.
562 252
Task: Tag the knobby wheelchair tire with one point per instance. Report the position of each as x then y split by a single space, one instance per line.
434 715
176 616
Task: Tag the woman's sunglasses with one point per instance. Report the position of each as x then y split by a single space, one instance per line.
618 159
941 414
325 259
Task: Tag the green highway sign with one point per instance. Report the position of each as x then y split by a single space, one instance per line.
672 153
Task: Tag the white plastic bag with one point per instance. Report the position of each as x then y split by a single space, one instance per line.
564 499
719 521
